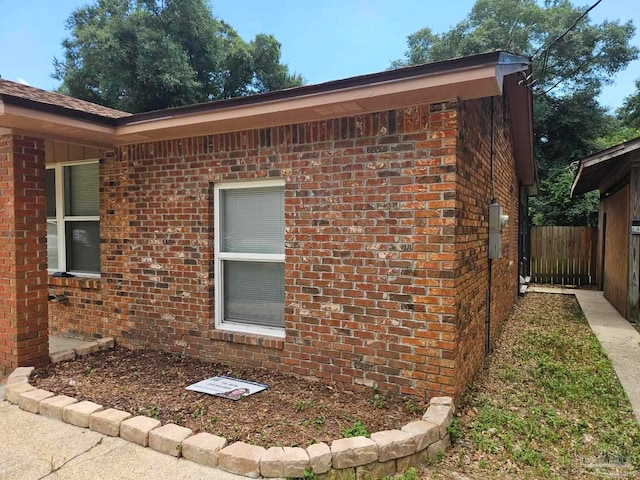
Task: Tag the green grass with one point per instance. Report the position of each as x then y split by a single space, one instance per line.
548 404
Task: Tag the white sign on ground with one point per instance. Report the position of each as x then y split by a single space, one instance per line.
228 387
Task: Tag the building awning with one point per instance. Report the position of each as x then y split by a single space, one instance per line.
595 168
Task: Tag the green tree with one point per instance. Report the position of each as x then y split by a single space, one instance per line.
629 113
568 74
142 55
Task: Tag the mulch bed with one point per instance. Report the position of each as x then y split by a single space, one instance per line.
291 412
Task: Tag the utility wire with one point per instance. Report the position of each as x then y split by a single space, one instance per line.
547 50
576 70
566 32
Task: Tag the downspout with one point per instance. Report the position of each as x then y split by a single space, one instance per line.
487 317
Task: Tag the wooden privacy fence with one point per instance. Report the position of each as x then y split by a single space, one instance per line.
563 255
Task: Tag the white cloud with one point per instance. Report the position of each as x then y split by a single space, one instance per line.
22 81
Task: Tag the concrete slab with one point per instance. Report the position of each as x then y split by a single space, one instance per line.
60 344
34 446
618 338
561 290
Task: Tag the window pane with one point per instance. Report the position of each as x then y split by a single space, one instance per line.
50 190
254 293
81 190
253 220
52 244
83 246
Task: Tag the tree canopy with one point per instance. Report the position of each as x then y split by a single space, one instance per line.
573 58
142 55
629 112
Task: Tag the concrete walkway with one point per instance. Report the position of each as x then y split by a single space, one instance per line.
619 339
56 344
33 447
60 344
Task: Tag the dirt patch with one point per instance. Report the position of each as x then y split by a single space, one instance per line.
292 412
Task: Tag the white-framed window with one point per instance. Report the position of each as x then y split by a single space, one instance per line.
73 218
249 257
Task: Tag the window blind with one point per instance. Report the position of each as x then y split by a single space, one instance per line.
254 293
83 246
81 190
253 220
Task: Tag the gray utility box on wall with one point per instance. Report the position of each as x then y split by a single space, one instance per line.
496 221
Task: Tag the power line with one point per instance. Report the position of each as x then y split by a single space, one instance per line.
566 32
547 50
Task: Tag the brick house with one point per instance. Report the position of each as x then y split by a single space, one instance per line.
338 231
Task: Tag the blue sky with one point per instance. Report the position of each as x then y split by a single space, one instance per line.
326 40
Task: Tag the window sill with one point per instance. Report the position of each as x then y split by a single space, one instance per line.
248 339
90 283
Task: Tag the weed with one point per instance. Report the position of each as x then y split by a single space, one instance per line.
153 411
357 429
319 422
411 407
301 405
308 474
454 430
377 400
198 411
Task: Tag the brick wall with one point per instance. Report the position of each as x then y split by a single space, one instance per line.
474 194
23 310
82 316
369 250
378 292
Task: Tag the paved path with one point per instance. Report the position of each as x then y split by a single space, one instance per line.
619 339
56 344
60 344
34 447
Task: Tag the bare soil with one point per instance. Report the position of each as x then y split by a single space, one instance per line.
291 412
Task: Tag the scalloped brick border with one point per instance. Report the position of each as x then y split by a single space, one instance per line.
383 454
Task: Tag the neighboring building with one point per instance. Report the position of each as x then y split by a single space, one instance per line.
336 231
616 173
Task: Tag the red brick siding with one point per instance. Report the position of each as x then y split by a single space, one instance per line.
386 221
474 193
23 263
82 316
369 248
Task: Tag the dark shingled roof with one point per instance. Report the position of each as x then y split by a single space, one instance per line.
56 99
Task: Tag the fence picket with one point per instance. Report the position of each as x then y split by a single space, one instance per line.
563 255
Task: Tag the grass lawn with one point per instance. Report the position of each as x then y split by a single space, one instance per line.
546 405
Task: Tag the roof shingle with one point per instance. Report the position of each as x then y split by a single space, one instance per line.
51 98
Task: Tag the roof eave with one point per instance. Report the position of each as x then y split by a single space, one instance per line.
598 161
459 79
521 103
56 124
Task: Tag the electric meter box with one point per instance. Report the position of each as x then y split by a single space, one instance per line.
496 220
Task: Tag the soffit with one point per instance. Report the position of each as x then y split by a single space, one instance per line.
595 169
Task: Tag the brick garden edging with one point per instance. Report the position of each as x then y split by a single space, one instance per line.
384 454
